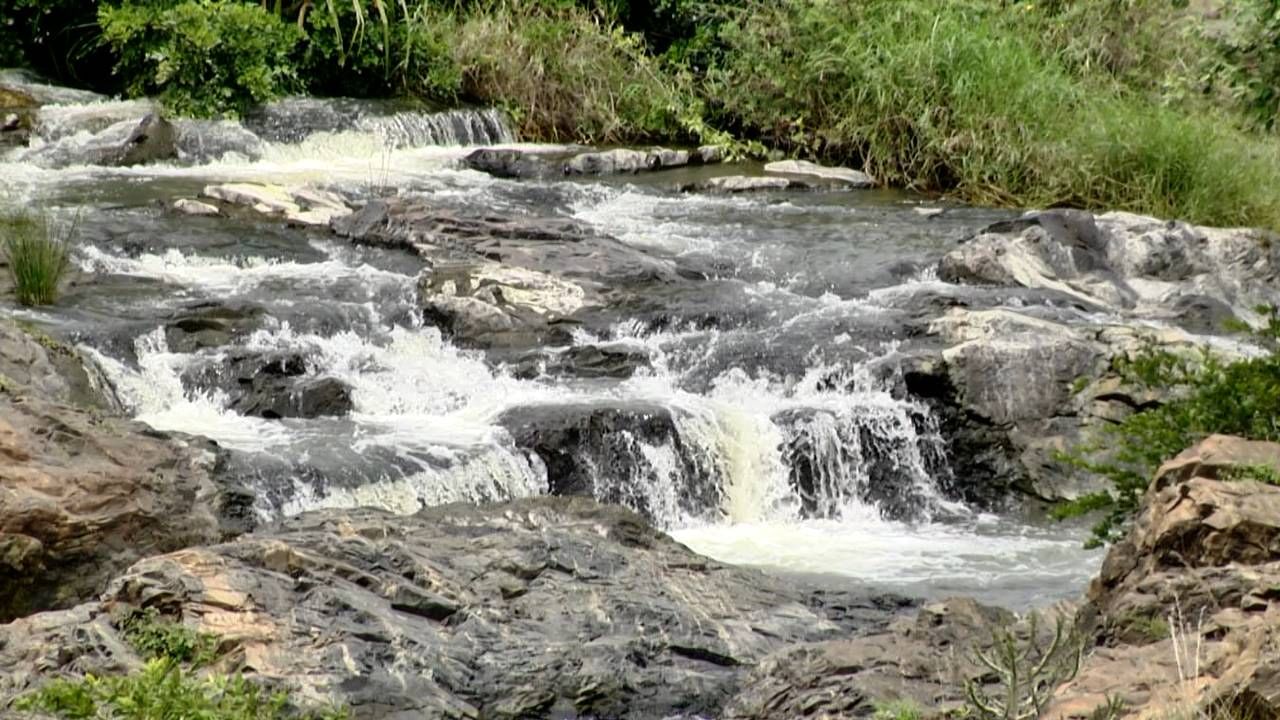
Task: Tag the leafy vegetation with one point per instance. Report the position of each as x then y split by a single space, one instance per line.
37 253
1210 395
1128 104
168 686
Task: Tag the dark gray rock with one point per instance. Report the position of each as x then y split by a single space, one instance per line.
211 324
154 138
599 450
513 164
546 607
581 361
272 386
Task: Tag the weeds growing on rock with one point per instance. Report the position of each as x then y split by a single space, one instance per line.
38 255
169 685
1026 672
898 710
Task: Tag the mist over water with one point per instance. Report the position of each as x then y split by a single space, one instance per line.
770 433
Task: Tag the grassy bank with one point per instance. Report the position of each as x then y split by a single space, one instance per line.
1130 104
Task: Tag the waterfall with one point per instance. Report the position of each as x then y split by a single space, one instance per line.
453 127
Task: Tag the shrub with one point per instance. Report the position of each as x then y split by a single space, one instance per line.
203 58
1027 671
566 75
167 686
38 256
1210 395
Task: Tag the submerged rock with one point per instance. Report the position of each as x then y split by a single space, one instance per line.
806 169
534 608
1185 605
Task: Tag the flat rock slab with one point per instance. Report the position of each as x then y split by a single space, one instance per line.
547 607
804 168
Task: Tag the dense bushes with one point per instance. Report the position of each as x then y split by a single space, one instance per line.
202 57
1133 104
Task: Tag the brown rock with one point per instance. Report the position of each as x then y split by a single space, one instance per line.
1187 606
84 494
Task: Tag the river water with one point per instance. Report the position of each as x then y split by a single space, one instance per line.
774 359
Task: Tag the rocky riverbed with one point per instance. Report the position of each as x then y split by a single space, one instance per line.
426 423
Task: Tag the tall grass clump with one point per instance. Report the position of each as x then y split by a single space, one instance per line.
567 74
38 256
963 96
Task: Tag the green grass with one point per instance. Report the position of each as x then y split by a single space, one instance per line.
956 96
898 710
37 255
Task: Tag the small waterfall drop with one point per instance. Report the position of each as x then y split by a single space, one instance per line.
452 127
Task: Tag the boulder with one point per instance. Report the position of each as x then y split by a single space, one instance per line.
507 163
187 206
485 303
154 138
541 607
1193 276
923 661
1185 605
297 205
805 169
623 161
211 324
628 452
84 494
271 385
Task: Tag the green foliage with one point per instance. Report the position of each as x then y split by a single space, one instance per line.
153 637
1027 671
37 253
1249 58
168 686
963 96
567 76
1209 395
163 690
203 58
898 710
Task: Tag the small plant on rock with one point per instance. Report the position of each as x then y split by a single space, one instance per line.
38 256
1027 672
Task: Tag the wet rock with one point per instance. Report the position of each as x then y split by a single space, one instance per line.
928 212
863 457
923 660
608 450
540 607
187 206
298 205
607 360
154 138
84 494
487 304
806 169
1185 605
211 324
14 98
272 386
708 155
202 141
1124 262
560 247
746 183
622 161
504 163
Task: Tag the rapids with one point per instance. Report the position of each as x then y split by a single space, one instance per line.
780 361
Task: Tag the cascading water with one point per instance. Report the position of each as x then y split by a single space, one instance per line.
757 424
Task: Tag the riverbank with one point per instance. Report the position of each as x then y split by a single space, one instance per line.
1137 106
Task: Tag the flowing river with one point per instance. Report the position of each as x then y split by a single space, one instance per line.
756 419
